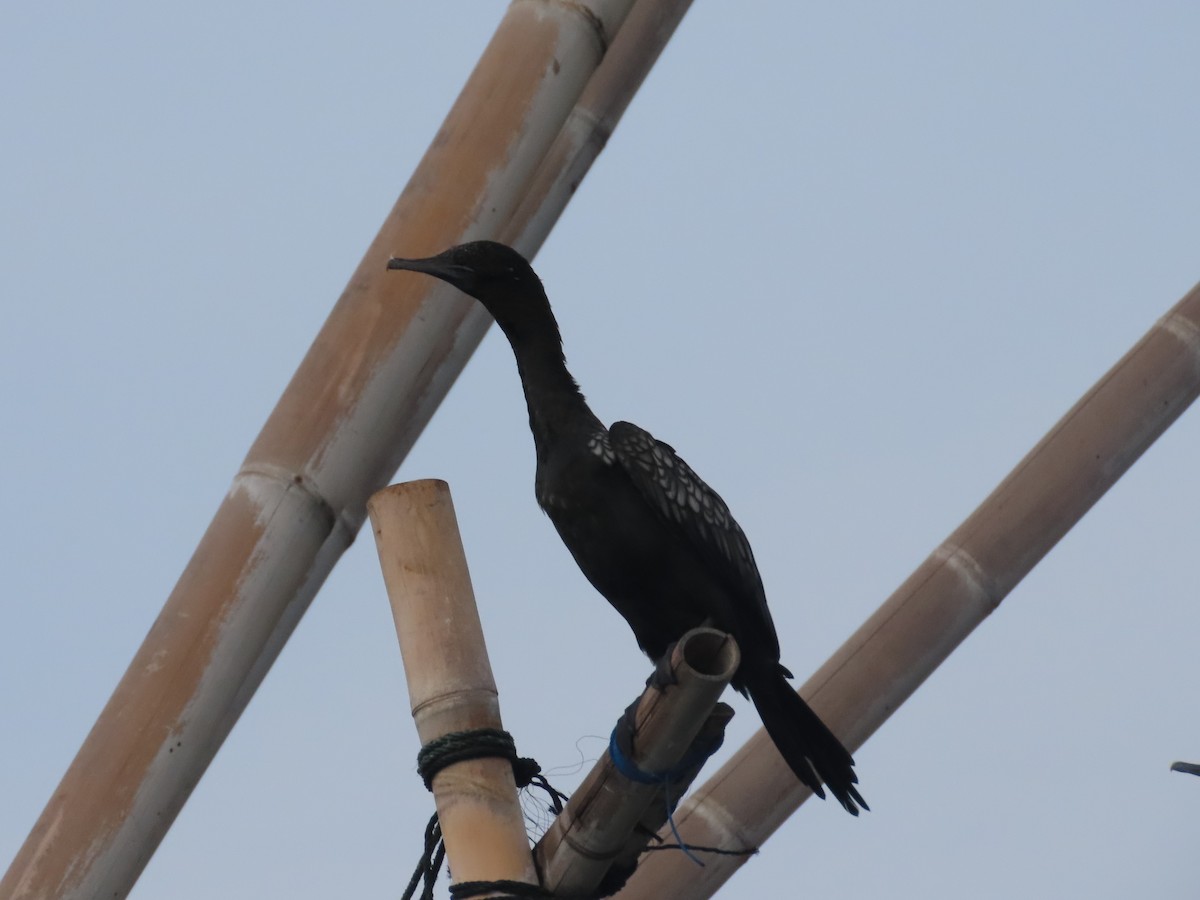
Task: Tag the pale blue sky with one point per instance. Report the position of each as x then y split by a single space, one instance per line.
852 261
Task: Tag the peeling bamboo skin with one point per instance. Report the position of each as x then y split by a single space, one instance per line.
358 401
450 682
948 595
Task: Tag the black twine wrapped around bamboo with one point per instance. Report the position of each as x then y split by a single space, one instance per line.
456 747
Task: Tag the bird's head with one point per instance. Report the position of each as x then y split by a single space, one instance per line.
491 272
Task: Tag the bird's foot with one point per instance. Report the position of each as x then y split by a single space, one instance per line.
663 676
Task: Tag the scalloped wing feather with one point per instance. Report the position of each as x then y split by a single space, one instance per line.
681 496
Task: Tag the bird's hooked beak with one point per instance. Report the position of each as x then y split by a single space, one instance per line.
452 273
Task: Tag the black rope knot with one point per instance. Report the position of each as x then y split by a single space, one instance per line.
460 746
515 889
487 743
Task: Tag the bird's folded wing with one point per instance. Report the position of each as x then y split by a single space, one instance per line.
680 495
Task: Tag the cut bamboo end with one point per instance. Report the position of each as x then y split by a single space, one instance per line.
948 595
667 721
450 682
595 832
375 374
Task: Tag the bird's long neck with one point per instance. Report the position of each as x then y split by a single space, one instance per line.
557 408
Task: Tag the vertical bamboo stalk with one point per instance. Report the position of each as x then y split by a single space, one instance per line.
954 590
450 682
376 372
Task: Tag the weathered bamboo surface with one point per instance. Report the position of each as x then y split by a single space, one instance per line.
950 593
377 370
450 683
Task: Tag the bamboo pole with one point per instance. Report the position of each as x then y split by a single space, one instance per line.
587 129
593 832
450 682
666 797
297 501
954 590
380 366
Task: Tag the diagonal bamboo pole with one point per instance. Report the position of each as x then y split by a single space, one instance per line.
376 372
954 590
601 821
642 38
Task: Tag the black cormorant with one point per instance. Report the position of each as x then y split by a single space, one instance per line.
648 533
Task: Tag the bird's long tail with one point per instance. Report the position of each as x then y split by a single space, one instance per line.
806 744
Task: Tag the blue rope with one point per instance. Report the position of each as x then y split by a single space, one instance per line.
629 769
